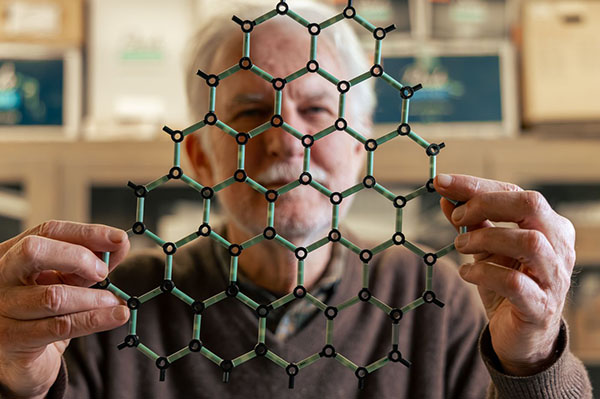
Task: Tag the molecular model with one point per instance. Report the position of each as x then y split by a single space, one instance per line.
404 131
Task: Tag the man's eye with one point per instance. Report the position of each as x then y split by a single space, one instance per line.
251 113
315 110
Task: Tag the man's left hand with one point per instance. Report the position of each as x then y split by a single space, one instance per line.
522 273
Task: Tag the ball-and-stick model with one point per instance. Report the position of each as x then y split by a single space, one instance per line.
299 293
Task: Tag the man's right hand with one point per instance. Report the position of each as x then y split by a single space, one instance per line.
45 301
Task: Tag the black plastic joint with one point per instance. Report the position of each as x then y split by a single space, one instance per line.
207 192
169 248
138 228
167 285
376 70
176 135
364 295
198 307
211 80
292 371
102 285
334 235
312 66
430 259
235 250
133 303
343 86
379 33
396 315
278 83
163 364
271 195
336 198
407 92
395 356
299 291
269 233
341 124
245 63
429 297
398 238
305 178
276 121
300 253
314 29
204 230
429 186
349 12
263 310
404 129
130 341
240 175
371 145
175 173
195 345
328 351
308 141
210 118
369 181
246 25
260 349
282 8
226 366
139 190
361 373
365 255
400 201
434 149
331 312
242 138
232 290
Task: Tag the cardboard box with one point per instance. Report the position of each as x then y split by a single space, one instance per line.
55 22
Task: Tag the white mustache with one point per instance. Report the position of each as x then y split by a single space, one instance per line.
283 171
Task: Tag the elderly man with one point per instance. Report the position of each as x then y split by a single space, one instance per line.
522 273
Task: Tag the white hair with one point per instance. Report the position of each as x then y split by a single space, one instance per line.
216 25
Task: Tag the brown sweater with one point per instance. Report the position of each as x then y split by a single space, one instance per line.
445 345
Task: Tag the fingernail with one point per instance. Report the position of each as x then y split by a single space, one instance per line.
464 269
444 180
120 313
116 236
458 213
461 240
101 269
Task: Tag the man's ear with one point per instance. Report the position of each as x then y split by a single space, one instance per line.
199 160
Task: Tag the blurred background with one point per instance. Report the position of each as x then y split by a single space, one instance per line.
511 87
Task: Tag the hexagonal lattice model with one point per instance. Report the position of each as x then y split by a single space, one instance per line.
240 176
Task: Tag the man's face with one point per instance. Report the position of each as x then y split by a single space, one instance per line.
275 158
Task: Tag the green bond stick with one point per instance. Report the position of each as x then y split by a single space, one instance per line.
428 277
377 302
370 155
212 93
265 17
300 272
365 275
287 187
118 292
276 359
378 52
387 137
313 48
246 45
462 229
140 210
299 73
243 358
147 351
154 237
133 321
385 192
377 365
262 327
317 244
106 257
348 303
292 131
324 132
329 332
223 184
246 300
263 74
399 220
215 299
360 78
393 82
206 211
356 135
349 245
271 214
418 139
252 241
262 128
383 246
293 15
233 265
395 333
186 239
177 154
192 183
169 266
210 356
308 361
328 76
241 156
320 188
446 250
345 361
193 128
413 248
158 182
331 21
183 296
219 239
405 108
315 301
413 305
284 242
335 213
282 301
352 190
229 71
255 185
416 193
232 132
150 294
306 161
278 95
179 354
370 27
197 325
341 108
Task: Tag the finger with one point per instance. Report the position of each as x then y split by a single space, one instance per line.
34 254
464 187
96 237
448 207
516 287
32 334
529 247
38 302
